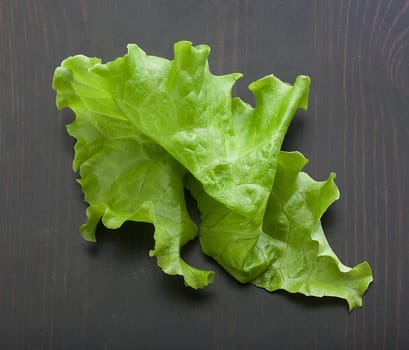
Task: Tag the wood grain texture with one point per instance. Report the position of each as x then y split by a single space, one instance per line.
59 292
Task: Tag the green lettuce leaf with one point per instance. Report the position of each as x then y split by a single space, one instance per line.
144 122
292 252
124 175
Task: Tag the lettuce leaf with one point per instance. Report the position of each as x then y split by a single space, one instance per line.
144 122
124 175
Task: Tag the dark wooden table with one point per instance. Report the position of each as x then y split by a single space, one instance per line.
60 292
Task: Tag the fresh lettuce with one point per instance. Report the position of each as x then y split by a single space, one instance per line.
146 127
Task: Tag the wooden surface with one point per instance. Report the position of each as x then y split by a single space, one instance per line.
59 292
